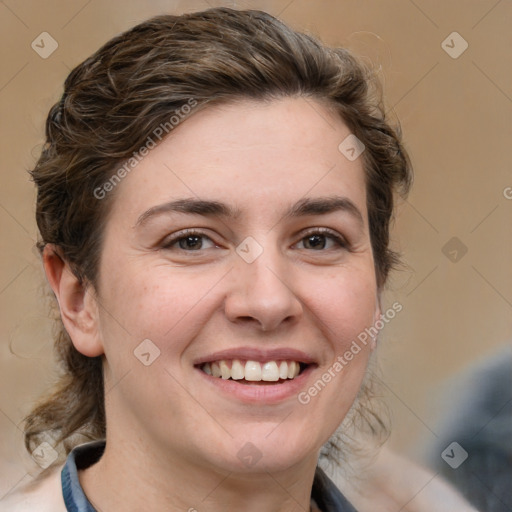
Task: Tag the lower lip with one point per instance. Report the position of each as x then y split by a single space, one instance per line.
260 393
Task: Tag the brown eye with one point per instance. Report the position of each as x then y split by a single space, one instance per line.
315 242
319 240
191 241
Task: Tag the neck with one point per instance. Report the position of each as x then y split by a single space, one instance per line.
131 477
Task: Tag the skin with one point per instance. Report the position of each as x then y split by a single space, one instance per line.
173 440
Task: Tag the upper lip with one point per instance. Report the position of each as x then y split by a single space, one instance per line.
257 354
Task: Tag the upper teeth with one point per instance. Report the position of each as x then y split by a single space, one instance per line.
252 370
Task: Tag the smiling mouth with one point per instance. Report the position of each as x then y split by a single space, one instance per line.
254 372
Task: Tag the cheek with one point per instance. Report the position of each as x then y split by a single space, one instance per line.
154 302
345 307
345 303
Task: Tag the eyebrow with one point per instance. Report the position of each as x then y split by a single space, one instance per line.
191 206
303 207
324 205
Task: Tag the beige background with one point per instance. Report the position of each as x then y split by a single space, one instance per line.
455 114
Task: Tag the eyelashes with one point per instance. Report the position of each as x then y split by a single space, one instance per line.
187 236
326 234
315 240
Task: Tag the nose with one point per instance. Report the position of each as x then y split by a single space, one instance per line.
262 293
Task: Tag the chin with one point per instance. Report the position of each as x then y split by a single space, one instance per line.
271 451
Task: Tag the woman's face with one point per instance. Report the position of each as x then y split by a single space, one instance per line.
242 236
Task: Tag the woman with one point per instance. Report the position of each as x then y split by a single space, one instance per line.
214 201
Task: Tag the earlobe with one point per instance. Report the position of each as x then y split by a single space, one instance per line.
77 304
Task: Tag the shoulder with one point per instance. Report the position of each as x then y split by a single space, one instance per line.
391 482
43 494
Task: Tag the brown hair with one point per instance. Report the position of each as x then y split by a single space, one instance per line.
116 99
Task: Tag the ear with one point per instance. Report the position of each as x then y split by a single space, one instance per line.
77 303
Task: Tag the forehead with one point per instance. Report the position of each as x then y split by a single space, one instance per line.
252 155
